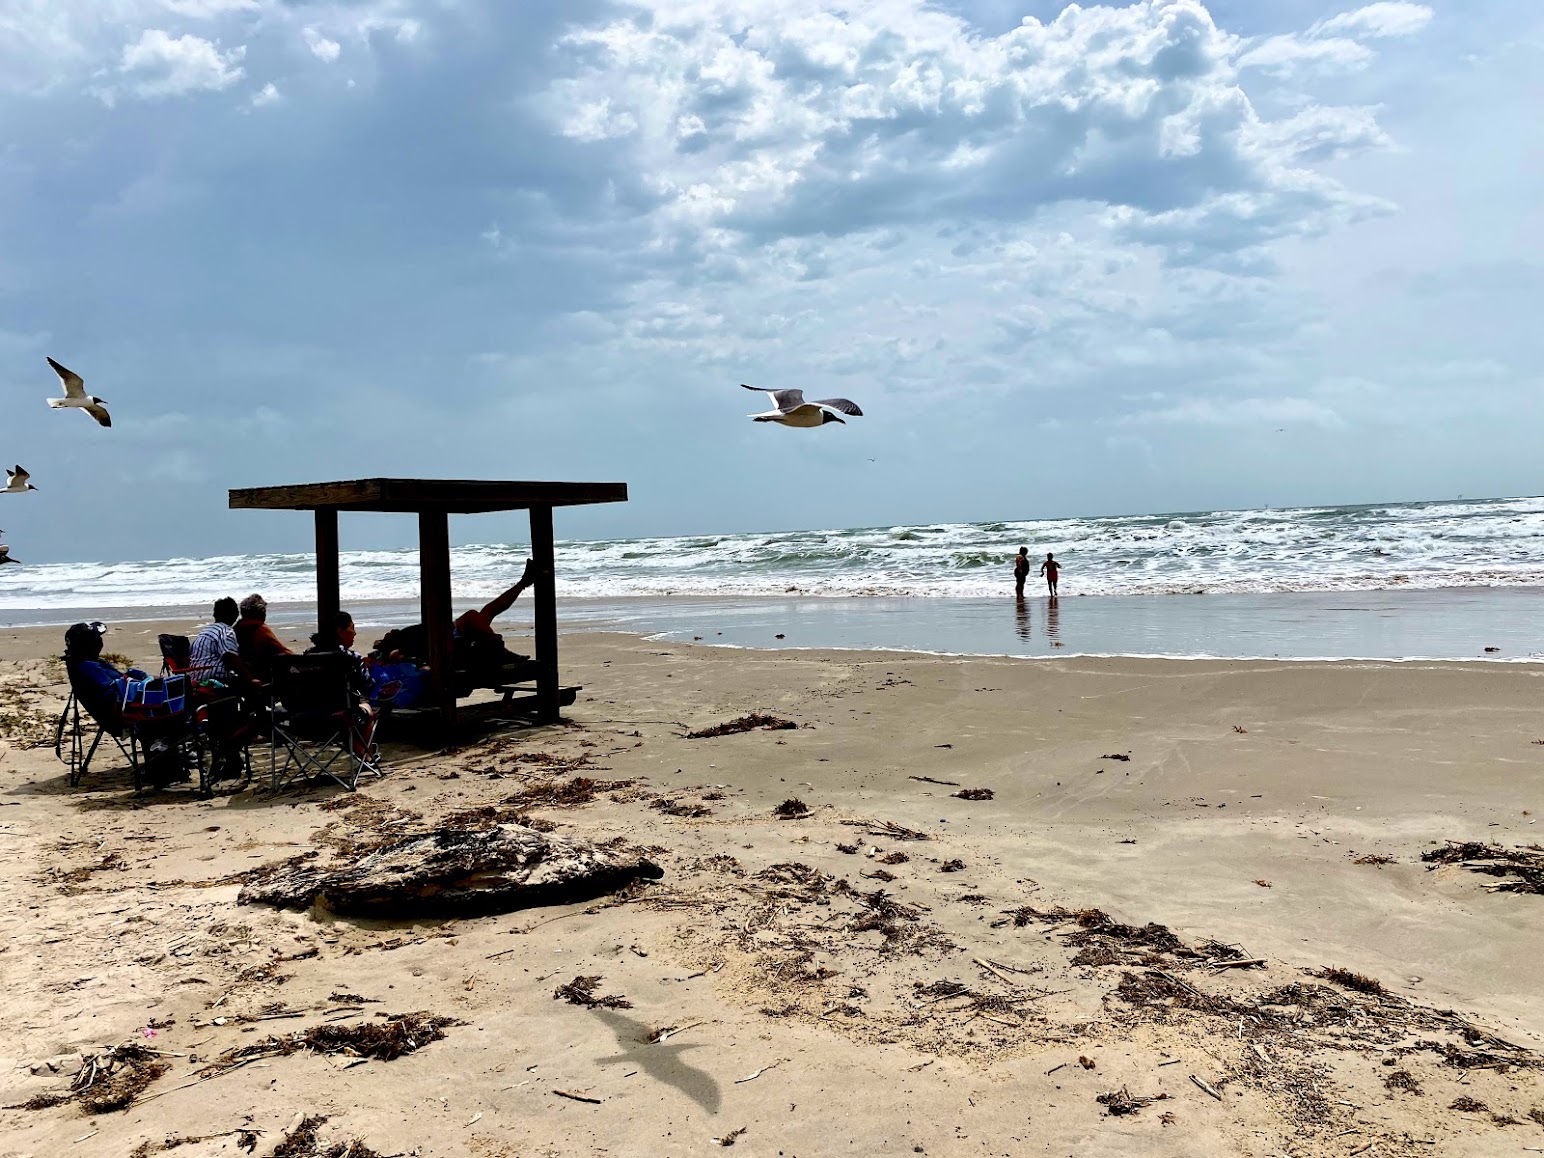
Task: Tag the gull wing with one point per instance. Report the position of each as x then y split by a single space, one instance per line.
784 400
100 414
17 477
842 404
74 384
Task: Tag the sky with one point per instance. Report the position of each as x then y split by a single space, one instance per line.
1166 256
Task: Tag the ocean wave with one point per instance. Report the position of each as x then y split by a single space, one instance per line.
1467 543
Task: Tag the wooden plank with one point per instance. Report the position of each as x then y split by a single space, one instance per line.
326 571
546 613
434 596
456 496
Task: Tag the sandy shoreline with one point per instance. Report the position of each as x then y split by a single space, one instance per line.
114 921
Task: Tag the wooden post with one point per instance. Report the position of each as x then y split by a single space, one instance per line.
326 569
546 612
434 589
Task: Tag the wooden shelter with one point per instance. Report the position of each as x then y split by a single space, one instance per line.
434 501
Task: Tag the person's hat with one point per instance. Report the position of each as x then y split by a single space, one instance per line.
81 633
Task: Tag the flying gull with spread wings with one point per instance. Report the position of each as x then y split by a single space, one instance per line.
790 409
16 482
75 395
5 555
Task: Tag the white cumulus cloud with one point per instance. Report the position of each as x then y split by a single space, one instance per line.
752 121
161 65
321 47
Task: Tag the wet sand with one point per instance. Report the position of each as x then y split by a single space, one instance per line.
1250 791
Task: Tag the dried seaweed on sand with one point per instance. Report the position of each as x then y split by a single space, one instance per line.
1521 869
1123 1101
107 1081
791 809
563 793
744 724
974 794
385 1039
302 1142
581 991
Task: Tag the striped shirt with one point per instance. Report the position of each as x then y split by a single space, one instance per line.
210 647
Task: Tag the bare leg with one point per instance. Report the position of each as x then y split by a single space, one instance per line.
504 602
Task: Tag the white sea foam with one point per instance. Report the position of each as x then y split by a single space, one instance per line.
1498 543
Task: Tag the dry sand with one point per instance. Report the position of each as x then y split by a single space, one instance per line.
830 1001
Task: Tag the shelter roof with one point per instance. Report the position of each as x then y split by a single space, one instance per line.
410 495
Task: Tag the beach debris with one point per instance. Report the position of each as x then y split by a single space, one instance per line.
666 1032
1404 1081
1264 884
385 1039
1121 756
1350 980
974 794
1206 1086
451 872
1521 870
563 793
849 849
729 1138
791 809
887 828
896 857
681 808
748 723
930 780
573 1097
1123 1101
1167 1118
1086 1062
1240 729
581 991
952 866
1376 858
1467 1105
107 1082
753 1076
878 875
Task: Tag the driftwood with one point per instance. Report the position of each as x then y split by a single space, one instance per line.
451 872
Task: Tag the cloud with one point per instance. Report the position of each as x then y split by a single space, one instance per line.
162 65
266 95
321 48
1336 44
752 122
1386 19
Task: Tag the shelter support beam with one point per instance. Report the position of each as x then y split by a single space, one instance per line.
326 570
546 613
434 588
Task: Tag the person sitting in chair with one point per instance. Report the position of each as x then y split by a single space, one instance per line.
258 645
101 689
215 653
338 636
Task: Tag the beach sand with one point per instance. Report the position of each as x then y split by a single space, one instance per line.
835 1004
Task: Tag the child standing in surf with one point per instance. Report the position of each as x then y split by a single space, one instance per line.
1049 569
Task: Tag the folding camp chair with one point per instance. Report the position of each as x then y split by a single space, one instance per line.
319 722
150 726
176 655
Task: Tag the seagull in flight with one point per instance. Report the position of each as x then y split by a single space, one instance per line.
75 395
790 409
16 482
5 555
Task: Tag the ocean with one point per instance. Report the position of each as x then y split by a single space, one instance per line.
1451 578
